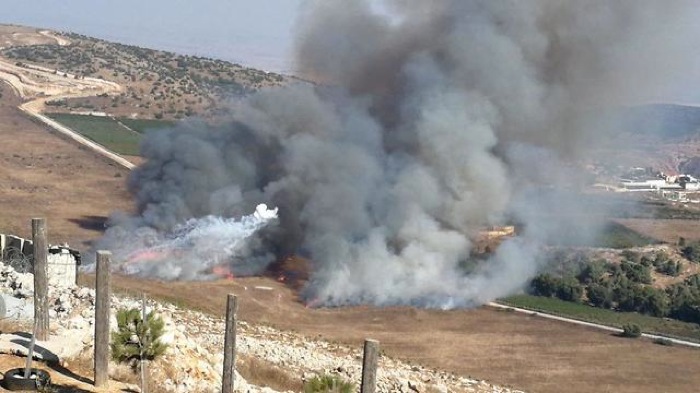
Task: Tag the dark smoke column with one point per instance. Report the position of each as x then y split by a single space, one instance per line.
433 121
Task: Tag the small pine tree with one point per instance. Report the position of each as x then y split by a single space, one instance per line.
136 341
328 384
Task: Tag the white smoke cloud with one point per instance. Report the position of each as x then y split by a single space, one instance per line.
192 250
435 122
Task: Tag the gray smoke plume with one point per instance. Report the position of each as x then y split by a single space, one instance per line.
435 119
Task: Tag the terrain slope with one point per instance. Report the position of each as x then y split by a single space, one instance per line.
43 175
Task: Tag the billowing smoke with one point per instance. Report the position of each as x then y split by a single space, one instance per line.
200 248
434 119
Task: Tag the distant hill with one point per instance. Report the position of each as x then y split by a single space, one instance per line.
666 121
158 84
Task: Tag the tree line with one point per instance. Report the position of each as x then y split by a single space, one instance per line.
626 286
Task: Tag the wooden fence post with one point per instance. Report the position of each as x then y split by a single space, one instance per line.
144 346
369 366
41 302
229 373
102 308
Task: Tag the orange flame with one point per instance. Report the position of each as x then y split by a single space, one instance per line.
313 303
223 271
147 255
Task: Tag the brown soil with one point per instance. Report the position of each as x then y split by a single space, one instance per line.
668 231
63 380
505 348
43 175
11 35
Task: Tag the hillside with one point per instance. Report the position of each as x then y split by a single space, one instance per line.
664 137
664 121
157 84
76 190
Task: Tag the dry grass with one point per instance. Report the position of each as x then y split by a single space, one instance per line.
667 230
10 325
261 373
46 176
125 374
39 179
503 348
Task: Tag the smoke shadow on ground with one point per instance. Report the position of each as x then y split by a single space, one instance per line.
92 223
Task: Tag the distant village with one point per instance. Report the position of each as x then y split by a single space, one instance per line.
677 188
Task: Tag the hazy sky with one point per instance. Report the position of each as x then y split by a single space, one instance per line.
250 32
254 33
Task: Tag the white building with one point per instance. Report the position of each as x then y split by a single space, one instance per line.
62 261
647 185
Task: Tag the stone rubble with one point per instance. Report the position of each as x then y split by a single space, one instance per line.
193 361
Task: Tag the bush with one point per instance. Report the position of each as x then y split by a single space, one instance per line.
600 296
593 272
544 285
663 341
637 272
692 252
631 330
670 268
328 384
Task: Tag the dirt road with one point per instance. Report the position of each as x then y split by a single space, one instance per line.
40 85
589 324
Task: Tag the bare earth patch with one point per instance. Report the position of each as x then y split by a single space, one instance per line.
523 352
665 230
43 175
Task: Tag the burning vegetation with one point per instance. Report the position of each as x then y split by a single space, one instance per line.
439 118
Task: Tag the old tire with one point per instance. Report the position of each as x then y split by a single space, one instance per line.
14 379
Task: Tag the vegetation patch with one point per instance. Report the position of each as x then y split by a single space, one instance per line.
616 235
663 341
103 130
328 384
144 125
259 372
156 83
631 330
583 312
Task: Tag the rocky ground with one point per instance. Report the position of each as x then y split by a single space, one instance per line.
193 361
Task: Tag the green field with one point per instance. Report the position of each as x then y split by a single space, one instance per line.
619 236
108 132
103 130
582 312
144 125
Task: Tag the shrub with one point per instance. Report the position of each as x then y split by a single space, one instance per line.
663 341
670 268
631 330
600 295
328 384
637 272
692 252
593 272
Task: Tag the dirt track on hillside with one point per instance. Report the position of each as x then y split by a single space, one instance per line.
43 175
